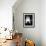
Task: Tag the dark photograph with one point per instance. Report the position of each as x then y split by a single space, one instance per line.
29 20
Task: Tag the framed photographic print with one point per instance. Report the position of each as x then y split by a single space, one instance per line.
29 20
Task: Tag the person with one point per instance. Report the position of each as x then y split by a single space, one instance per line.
29 43
18 40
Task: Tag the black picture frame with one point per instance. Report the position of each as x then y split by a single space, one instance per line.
29 20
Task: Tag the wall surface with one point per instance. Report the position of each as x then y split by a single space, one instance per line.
28 6
6 13
43 22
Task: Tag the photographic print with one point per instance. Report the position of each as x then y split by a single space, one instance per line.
29 20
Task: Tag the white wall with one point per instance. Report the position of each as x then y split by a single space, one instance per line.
38 34
28 6
6 13
43 22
